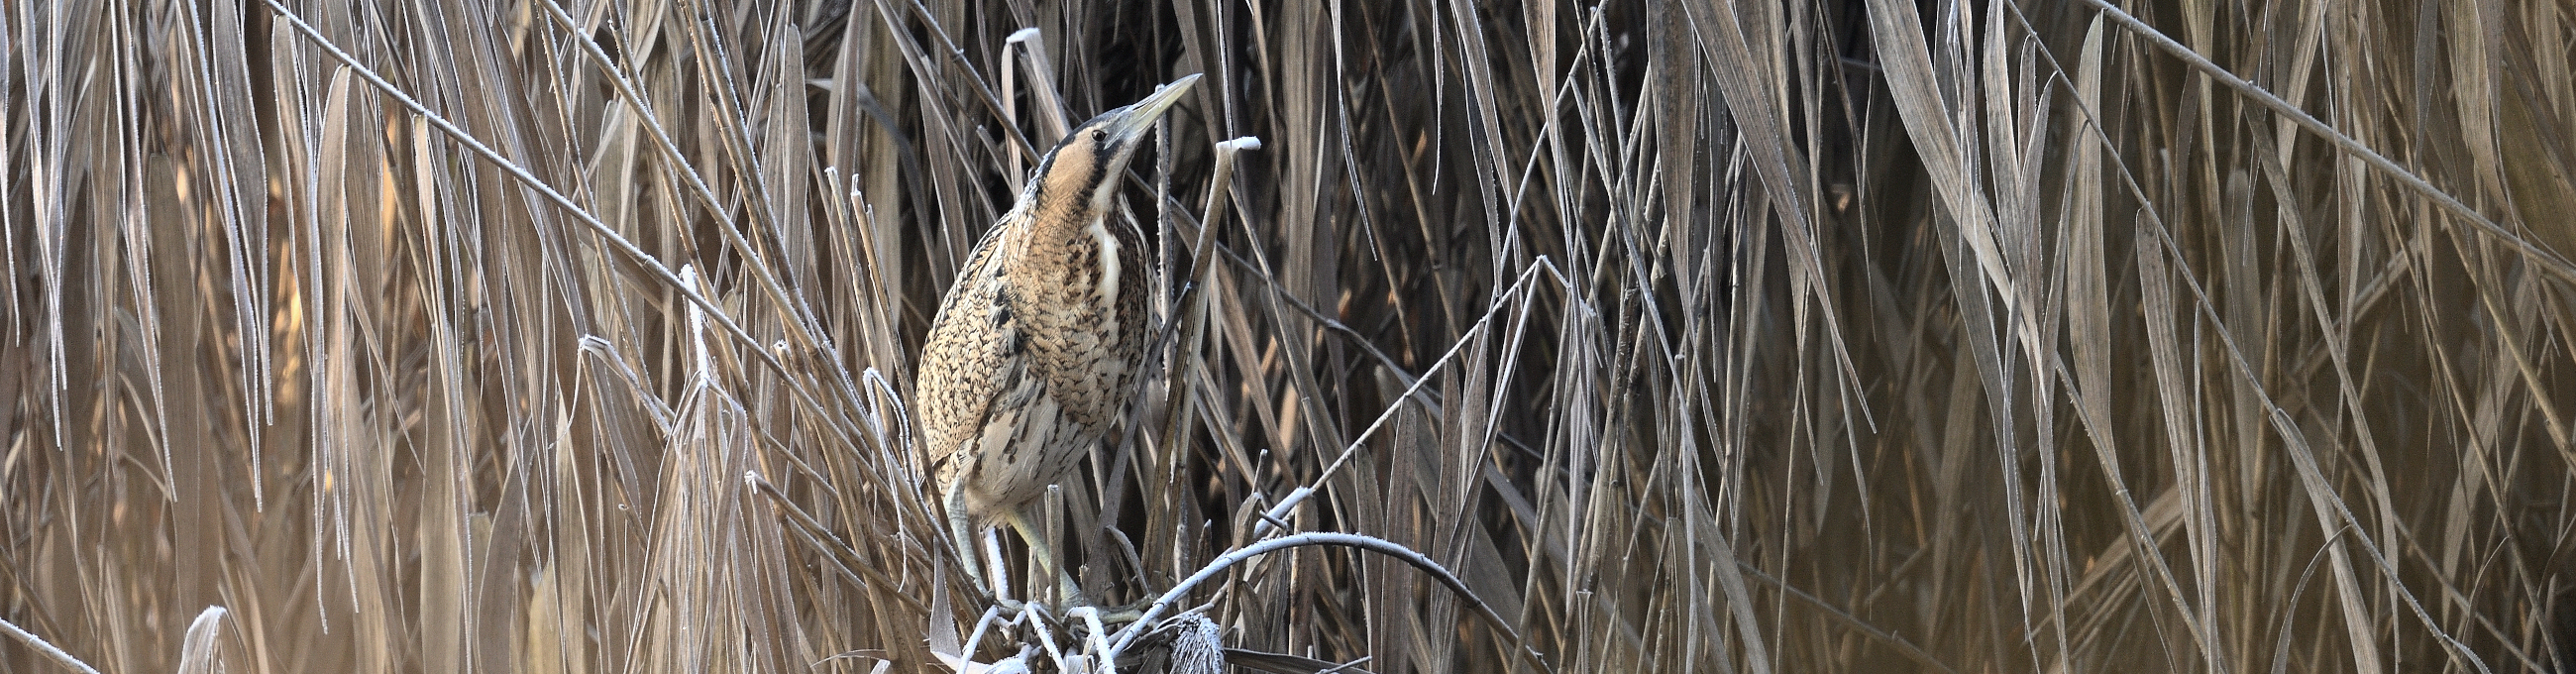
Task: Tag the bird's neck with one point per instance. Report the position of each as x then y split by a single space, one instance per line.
1070 259
1062 215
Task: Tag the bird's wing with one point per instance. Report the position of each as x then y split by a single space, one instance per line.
973 346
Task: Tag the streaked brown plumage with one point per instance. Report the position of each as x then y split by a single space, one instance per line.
1036 347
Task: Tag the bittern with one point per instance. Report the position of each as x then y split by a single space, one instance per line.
1036 346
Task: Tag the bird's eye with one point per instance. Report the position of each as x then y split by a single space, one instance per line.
1099 135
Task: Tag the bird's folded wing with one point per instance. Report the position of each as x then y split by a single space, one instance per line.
972 350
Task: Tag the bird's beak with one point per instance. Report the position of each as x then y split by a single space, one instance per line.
1139 118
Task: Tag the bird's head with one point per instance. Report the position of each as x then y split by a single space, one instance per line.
1082 171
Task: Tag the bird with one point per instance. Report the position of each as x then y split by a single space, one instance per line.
1036 346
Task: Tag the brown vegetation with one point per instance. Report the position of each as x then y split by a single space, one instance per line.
1689 336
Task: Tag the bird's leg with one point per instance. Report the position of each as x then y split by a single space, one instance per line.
962 528
1043 553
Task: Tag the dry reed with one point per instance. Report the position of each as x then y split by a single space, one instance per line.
1680 336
